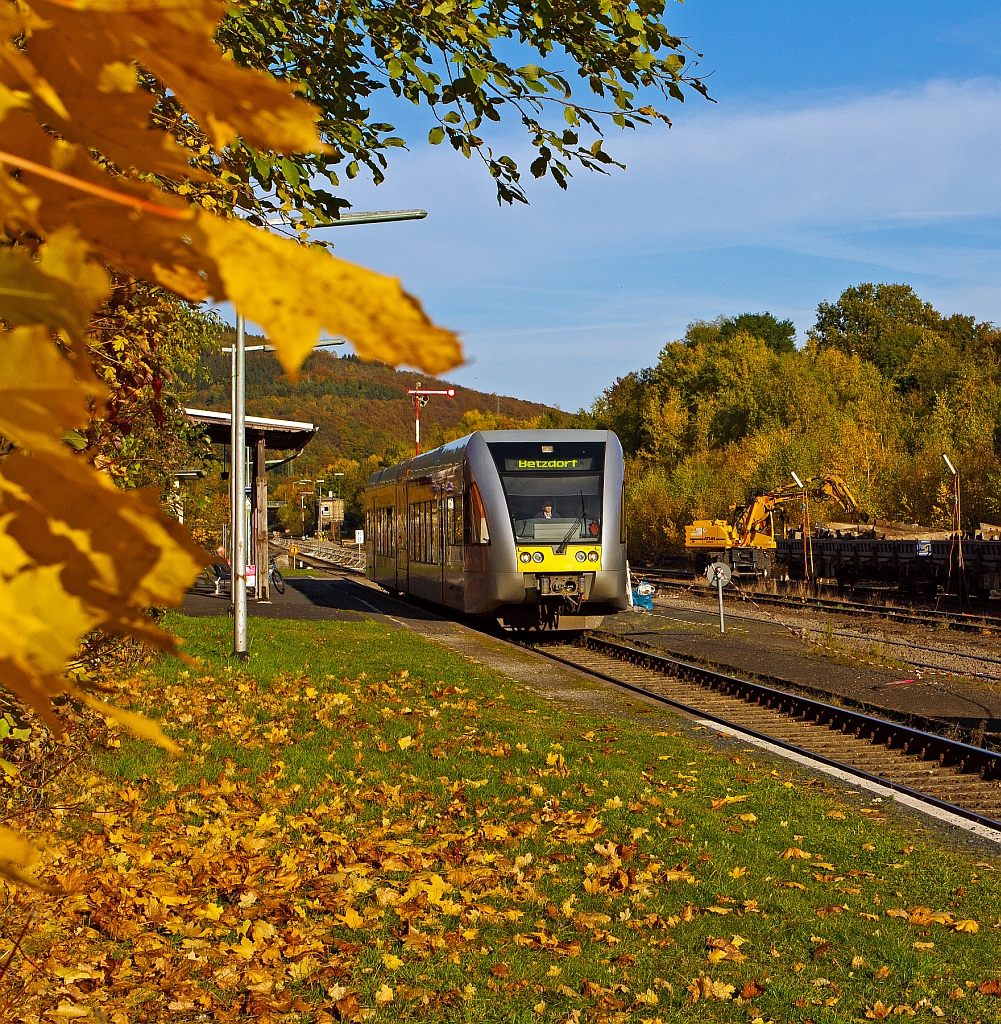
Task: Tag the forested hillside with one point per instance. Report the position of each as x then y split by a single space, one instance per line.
365 420
361 409
884 385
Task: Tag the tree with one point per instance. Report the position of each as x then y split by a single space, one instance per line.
146 346
453 57
881 323
778 335
78 194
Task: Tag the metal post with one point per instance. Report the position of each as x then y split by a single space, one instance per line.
719 587
417 424
261 548
238 570
959 538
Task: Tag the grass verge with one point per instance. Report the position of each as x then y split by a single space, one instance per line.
365 825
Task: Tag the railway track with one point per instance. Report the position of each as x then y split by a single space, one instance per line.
934 770
968 621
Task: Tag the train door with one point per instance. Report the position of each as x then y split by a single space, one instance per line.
402 547
441 540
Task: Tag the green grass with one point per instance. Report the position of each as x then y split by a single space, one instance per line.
583 866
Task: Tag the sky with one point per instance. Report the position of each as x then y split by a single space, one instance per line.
850 141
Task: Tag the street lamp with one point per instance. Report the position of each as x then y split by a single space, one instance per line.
238 438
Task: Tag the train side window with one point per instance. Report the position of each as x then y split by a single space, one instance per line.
477 528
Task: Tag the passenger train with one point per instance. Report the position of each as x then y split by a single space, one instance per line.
524 526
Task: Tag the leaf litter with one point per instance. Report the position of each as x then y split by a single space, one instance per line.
302 863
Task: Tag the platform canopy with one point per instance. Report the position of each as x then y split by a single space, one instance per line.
278 435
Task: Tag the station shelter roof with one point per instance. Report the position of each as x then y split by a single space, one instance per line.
278 435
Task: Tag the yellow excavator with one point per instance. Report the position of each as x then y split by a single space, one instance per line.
747 541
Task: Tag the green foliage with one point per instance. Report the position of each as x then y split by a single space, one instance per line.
778 335
452 58
884 324
884 388
146 346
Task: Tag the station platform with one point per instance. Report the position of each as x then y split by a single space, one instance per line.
753 646
766 649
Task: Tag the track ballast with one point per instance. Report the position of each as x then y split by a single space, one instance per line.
962 779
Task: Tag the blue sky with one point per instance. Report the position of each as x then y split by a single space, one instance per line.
849 142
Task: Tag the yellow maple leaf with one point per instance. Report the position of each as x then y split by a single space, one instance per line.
391 962
351 918
738 872
404 742
383 995
969 926
40 397
16 853
372 311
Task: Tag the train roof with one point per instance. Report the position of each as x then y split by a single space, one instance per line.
453 450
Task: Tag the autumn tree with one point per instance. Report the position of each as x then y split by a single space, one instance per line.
616 61
81 191
883 324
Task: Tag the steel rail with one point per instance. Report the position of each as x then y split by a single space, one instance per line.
957 620
878 731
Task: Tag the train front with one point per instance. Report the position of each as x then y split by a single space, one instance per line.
564 536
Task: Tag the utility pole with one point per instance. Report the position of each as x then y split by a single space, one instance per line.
238 475
421 396
956 526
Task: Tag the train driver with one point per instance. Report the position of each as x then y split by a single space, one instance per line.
546 513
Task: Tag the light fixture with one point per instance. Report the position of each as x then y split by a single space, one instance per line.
581 556
537 557
592 556
526 556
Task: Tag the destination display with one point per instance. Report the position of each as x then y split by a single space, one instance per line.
536 464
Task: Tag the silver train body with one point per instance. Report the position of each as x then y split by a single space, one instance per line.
525 526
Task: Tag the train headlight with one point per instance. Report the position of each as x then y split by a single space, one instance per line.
537 557
526 556
581 556
592 556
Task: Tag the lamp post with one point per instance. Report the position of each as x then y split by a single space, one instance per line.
806 527
421 396
238 437
238 440
956 525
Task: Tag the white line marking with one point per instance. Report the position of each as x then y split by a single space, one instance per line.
886 792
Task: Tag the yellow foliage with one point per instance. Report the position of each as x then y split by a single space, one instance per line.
78 166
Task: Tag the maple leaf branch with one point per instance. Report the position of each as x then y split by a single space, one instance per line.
95 190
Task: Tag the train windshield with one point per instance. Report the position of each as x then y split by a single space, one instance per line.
553 490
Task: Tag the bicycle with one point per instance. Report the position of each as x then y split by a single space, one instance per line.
275 578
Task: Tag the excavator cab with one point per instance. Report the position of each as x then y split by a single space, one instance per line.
747 542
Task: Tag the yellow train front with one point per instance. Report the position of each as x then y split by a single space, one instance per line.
525 526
